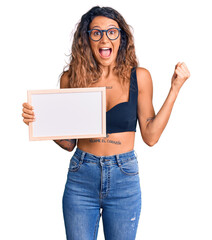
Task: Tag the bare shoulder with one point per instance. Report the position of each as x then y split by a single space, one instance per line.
64 80
144 79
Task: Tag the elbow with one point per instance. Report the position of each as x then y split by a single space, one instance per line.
70 149
151 142
150 139
73 146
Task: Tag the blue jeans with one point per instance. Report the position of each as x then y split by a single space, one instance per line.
107 183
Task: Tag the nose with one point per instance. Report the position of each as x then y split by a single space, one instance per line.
104 37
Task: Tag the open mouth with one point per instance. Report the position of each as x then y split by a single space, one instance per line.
105 52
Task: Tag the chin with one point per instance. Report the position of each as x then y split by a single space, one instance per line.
106 62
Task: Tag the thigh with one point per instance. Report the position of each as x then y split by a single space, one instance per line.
81 209
122 208
81 224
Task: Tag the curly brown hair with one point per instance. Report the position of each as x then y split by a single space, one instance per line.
83 70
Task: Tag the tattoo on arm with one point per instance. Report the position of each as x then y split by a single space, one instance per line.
67 144
151 118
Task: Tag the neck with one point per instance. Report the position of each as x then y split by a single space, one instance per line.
107 71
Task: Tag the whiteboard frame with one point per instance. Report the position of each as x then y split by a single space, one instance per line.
102 90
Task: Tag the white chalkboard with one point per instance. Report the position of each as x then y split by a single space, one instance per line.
69 113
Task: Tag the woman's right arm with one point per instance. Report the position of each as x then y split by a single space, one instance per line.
29 116
67 144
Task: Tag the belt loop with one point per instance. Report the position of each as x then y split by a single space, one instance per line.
117 159
101 160
136 153
82 157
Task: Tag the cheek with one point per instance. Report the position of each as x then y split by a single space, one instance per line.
94 50
93 47
117 46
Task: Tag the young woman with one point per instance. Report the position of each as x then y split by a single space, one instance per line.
103 173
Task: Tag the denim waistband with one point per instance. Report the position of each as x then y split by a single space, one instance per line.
112 158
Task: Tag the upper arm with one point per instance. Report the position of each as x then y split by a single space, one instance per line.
145 93
64 80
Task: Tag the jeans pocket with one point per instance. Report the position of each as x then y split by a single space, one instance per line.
75 164
130 166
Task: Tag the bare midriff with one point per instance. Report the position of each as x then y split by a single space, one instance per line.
115 143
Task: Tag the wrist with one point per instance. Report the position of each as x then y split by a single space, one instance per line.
173 93
174 90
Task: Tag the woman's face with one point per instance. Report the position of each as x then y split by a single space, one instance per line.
105 50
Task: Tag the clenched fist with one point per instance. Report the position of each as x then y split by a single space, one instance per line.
181 74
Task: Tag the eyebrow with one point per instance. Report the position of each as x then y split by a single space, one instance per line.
107 26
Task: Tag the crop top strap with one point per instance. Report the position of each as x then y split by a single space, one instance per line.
133 85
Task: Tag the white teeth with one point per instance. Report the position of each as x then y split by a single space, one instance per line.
105 48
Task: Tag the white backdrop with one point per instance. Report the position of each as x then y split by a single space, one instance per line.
175 173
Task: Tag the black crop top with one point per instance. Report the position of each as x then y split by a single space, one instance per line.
123 116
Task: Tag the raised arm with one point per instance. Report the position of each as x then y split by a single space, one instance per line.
152 125
67 144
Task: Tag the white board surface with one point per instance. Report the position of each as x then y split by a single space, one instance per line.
68 113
